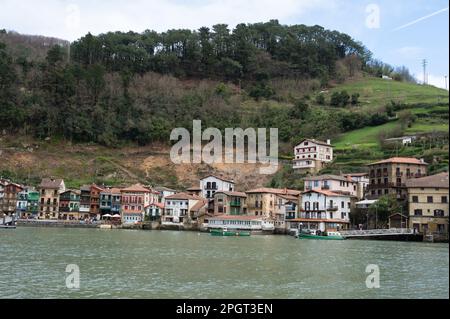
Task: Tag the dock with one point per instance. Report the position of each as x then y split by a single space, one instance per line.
403 234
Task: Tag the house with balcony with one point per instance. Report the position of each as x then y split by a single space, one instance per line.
50 190
110 201
135 202
388 177
362 181
85 199
428 203
211 184
310 155
94 205
155 211
334 183
69 206
27 205
178 208
163 192
274 204
9 202
323 210
231 203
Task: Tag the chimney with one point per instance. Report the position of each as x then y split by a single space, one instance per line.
329 142
422 160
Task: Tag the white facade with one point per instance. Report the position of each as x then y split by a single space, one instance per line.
236 223
325 208
212 184
311 154
177 209
332 183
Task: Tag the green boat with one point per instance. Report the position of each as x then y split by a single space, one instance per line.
225 232
320 235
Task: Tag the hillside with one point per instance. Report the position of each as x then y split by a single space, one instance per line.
105 115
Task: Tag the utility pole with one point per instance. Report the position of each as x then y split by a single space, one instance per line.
424 64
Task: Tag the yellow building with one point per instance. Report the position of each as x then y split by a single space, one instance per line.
428 203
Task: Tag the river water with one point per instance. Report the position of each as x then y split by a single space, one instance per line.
170 264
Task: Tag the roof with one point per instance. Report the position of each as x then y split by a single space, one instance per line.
218 177
76 191
163 189
435 181
97 187
113 190
183 196
327 177
86 188
199 205
160 205
50 183
326 193
356 174
314 141
136 188
278 191
194 188
400 160
235 194
289 197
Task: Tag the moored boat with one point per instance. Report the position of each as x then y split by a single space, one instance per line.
225 232
313 234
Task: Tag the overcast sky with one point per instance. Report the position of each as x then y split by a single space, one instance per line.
400 32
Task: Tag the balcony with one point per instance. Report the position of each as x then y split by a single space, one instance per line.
235 204
325 187
290 208
332 208
211 187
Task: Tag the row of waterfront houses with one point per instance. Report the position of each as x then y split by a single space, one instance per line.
325 203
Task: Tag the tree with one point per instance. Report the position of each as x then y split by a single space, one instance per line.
320 99
355 98
384 207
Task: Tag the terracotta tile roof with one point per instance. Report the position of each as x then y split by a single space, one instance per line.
49 183
199 205
326 193
236 194
113 190
96 187
183 196
400 160
438 180
136 188
289 197
160 205
194 188
356 174
278 191
328 177
163 188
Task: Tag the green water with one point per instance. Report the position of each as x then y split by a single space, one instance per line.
165 264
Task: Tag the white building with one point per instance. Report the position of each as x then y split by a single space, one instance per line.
163 192
212 184
312 155
324 210
361 180
236 222
177 208
334 183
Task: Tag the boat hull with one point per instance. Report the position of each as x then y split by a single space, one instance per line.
307 236
229 233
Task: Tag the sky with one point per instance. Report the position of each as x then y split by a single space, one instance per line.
400 32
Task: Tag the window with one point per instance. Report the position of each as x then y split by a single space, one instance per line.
342 205
415 199
438 213
444 199
429 199
386 191
417 212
